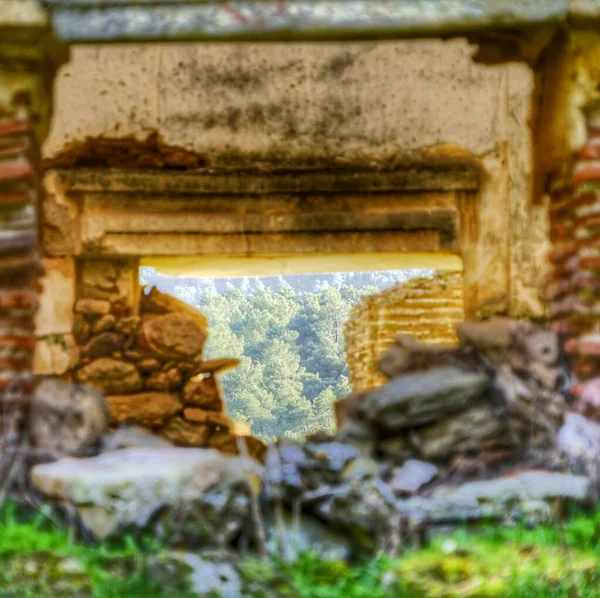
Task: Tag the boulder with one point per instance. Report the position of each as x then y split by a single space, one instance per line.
185 433
67 419
128 325
147 408
284 462
111 376
103 345
133 437
125 489
412 476
423 397
81 329
472 430
172 336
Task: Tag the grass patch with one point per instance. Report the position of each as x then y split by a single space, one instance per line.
38 560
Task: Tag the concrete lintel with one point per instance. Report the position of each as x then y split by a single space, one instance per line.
433 178
81 21
281 264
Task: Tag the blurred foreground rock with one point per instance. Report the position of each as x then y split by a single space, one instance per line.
133 488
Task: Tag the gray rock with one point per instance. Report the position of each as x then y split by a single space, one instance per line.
133 437
412 476
524 486
579 438
474 429
422 511
294 535
423 397
363 510
67 419
128 488
398 448
282 469
199 574
333 455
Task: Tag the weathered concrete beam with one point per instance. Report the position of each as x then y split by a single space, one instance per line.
81 21
434 178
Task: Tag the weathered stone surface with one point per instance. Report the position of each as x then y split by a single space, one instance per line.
185 433
55 355
203 393
229 444
420 398
92 307
496 333
398 448
147 408
81 329
283 464
412 476
114 280
125 488
474 429
55 311
155 302
172 336
335 456
203 575
526 485
148 364
212 418
111 376
165 380
579 438
102 345
217 366
128 325
133 437
588 398
104 324
67 419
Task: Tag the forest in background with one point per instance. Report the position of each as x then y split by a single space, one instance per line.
288 332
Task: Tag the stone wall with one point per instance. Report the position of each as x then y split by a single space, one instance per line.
142 349
427 309
296 106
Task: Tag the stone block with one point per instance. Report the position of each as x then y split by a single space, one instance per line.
55 355
147 408
55 313
113 280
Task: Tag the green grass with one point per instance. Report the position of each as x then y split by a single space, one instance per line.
38 560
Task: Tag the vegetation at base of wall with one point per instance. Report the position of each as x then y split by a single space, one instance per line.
289 334
560 561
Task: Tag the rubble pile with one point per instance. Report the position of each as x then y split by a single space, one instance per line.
150 368
480 432
500 394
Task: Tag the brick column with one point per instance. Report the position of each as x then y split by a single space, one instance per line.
574 292
27 66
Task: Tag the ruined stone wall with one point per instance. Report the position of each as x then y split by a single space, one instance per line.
142 350
292 106
427 309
